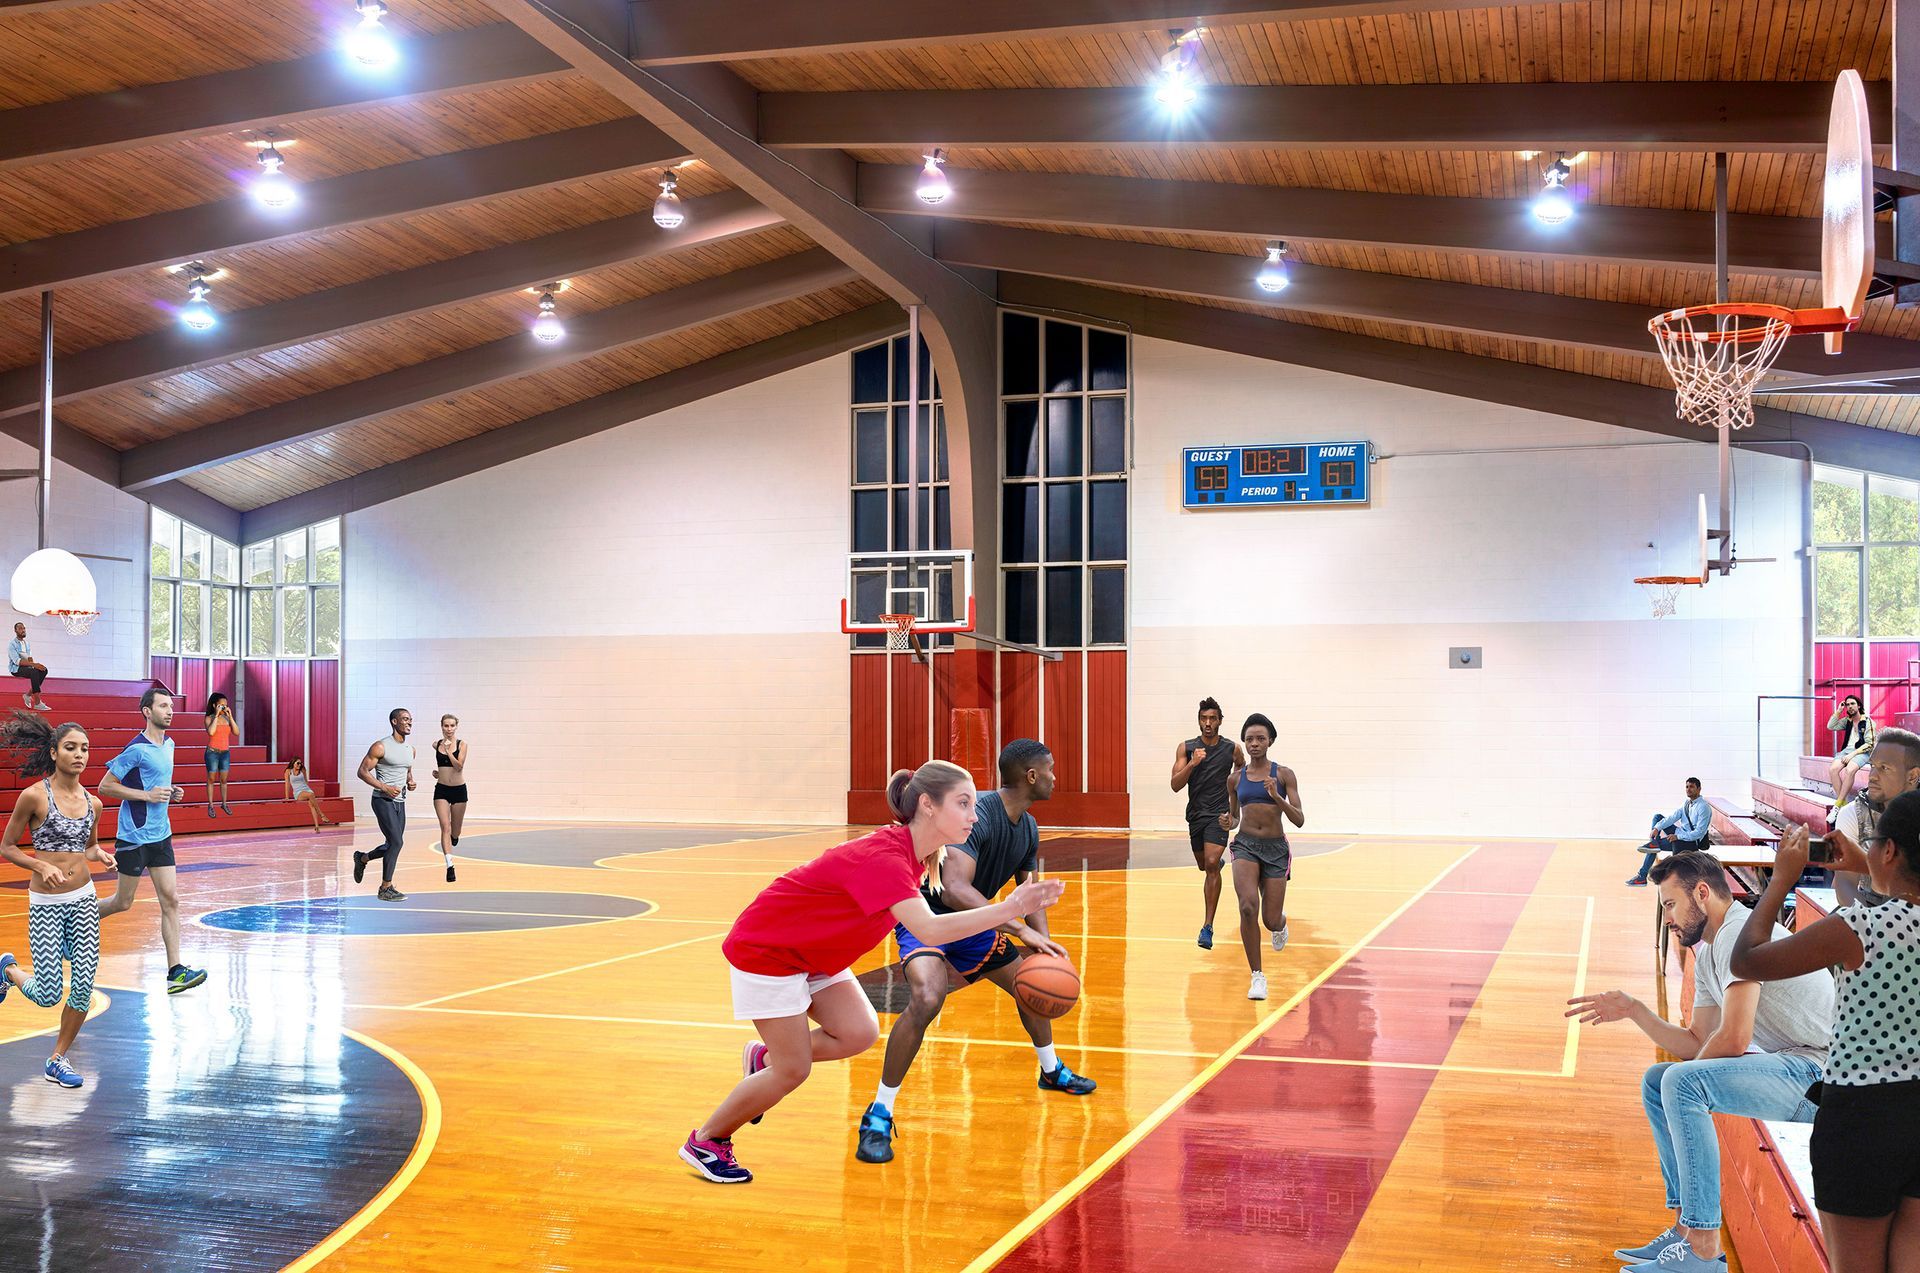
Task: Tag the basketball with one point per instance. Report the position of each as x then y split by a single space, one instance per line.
1047 985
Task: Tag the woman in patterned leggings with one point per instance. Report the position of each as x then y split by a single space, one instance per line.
63 914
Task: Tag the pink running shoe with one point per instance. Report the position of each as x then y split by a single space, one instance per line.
714 1159
753 1059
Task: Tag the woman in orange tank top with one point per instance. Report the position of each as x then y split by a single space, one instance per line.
221 730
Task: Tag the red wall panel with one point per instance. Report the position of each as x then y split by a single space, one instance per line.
256 723
1890 658
224 678
910 691
1106 720
192 689
1832 661
1063 690
290 734
164 669
867 770
323 706
1019 697
962 679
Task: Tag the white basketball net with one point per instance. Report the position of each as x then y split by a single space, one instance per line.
899 631
76 622
1665 598
1717 359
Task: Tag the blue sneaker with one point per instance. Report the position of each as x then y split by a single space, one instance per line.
1065 1080
59 1071
876 1135
184 978
1678 1257
1652 1250
714 1159
6 982
1206 936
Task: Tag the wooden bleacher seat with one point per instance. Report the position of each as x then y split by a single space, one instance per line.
1813 775
1735 824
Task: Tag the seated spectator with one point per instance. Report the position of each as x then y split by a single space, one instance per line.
1866 1137
1786 1024
1893 770
1685 828
1856 745
20 662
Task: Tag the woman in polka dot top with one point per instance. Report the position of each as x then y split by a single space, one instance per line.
1866 1138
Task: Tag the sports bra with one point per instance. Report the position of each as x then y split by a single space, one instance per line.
446 759
1252 792
58 833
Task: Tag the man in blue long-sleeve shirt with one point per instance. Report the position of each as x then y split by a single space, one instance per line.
1684 828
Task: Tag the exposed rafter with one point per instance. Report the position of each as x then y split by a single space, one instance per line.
1710 116
1602 233
468 369
278 93
580 419
1608 326
562 254
378 194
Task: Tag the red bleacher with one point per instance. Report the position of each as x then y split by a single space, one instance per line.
110 713
1814 775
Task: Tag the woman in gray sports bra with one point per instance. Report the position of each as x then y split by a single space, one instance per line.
63 913
1259 796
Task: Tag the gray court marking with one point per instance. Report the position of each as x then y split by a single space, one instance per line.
584 846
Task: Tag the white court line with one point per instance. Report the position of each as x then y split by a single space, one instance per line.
561 972
1579 988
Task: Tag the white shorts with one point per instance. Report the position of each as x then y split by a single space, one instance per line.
757 997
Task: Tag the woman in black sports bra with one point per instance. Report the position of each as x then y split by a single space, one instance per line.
1259 795
449 787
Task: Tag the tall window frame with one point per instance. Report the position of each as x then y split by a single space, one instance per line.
193 593
1866 557
877 462
292 593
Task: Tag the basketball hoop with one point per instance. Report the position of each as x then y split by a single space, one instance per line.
75 621
899 631
1664 591
1716 354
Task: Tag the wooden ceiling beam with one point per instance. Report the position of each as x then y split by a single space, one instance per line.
1704 116
1660 237
667 32
277 94
243 333
358 198
578 420
509 358
1606 326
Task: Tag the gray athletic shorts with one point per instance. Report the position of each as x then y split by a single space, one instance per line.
1274 857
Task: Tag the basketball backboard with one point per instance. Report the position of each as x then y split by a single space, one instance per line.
936 588
1846 226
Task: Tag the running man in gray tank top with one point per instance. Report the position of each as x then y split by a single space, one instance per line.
388 769
1201 766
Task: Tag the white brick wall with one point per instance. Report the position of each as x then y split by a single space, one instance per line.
1336 622
88 516
641 625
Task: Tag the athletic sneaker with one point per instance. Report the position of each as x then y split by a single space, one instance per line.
1258 990
211 813
714 1159
388 893
1637 882
1652 1250
226 809
6 982
359 867
59 1071
449 873
1678 1257
1206 936
753 1059
876 1135
1062 1079
182 977
1280 938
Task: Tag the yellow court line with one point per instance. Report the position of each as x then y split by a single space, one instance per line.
99 1005
1579 988
1120 1148
561 972
423 1145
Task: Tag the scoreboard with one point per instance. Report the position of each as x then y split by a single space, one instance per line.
1276 476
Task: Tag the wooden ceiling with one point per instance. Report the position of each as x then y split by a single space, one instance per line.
385 316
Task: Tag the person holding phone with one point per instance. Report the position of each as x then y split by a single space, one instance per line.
1856 745
221 731
1892 771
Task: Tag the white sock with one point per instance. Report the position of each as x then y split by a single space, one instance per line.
1048 1061
885 1097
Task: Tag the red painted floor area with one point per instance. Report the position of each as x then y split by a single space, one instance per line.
1271 1166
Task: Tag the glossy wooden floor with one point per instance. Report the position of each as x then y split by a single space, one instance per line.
1409 1097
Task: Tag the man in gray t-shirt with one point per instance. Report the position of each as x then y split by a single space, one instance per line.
1751 1049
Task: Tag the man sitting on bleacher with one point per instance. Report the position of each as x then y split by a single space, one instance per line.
1752 1049
1893 770
1685 828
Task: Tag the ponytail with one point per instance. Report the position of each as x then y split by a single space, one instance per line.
33 741
935 779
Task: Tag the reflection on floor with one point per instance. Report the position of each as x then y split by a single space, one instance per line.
560 1017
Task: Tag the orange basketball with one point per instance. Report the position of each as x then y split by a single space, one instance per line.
1047 985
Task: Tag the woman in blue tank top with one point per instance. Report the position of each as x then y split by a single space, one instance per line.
1259 795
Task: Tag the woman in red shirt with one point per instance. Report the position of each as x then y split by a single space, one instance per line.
790 952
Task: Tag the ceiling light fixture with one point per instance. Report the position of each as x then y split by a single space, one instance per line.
668 212
934 187
1178 82
272 188
1273 271
1553 204
198 313
548 327
368 43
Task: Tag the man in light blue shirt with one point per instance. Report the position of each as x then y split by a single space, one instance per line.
20 662
1684 828
141 779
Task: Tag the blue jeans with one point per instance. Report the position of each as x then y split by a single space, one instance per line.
1672 844
1682 1096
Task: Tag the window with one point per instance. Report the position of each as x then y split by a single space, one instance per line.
882 442
1866 529
292 583
191 596
1063 523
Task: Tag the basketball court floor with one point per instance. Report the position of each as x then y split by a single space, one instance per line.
497 1076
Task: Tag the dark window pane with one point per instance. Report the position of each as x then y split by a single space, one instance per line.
927 393
1107 512
1063 437
899 345
869 599
1109 607
1019 354
942 586
1106 359
1063 608
1020 523
942 517
924 457
923 531
1023 439
1063 357
1109 428
870 374
869 521
940 442
1063 521
1023 607
869 446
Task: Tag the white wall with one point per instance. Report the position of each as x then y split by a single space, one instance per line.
1336 622
640 625
88 516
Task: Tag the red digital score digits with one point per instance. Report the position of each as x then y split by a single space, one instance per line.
1211 477
1273 461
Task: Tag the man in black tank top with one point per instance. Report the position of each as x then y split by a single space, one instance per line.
1201 766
